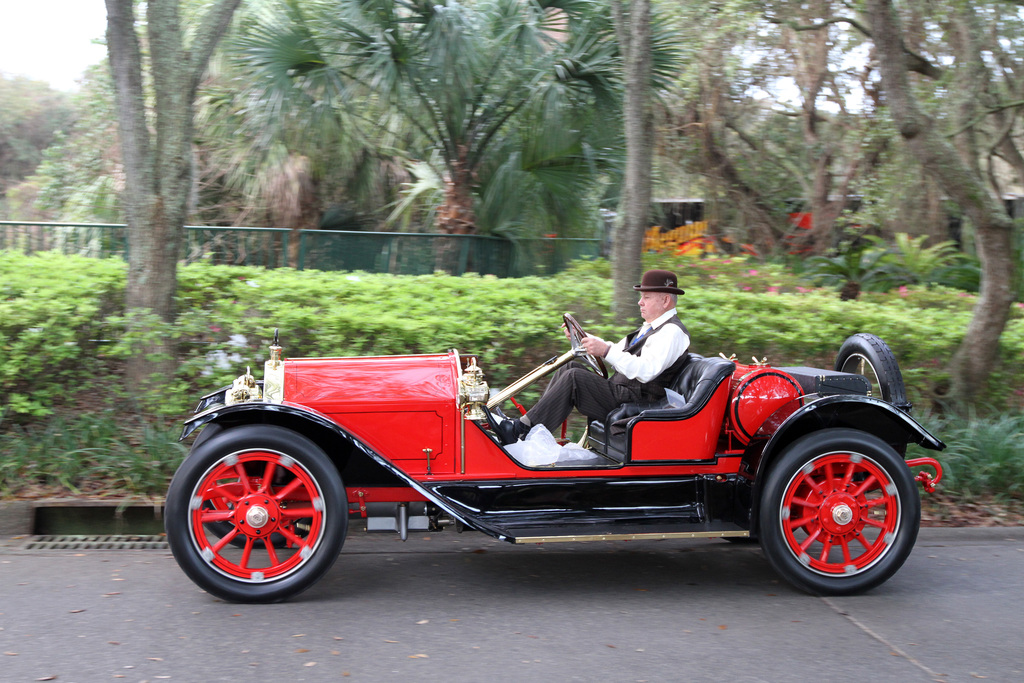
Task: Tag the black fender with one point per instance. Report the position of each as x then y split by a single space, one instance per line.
792 421
338 443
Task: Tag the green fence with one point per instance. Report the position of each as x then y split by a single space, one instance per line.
376 252
98 240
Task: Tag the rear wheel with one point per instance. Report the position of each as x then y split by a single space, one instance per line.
839 512
241 490
869 356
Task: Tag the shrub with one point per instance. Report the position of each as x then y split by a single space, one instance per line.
983 455
52 309
63 338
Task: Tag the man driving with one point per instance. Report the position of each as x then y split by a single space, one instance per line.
645 362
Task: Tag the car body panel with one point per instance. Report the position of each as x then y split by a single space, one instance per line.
691 439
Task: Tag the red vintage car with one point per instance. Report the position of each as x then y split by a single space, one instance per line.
809 462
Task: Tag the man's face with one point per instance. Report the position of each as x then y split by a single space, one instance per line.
653 304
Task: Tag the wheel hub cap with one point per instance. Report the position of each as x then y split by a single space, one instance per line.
842 514
257 517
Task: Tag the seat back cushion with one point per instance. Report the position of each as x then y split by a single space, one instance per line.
699 379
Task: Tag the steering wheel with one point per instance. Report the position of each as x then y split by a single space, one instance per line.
576 335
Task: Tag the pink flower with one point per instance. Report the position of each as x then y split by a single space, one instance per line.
1019 304
746 289
802 290
751 272
773 290
214 328
903 290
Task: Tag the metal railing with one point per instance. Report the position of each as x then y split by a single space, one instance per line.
376 252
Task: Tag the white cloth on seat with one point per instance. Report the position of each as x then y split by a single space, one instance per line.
675 400
539 449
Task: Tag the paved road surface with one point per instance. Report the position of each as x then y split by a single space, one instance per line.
451 607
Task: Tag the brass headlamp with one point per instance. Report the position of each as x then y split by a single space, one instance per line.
244 388
473 392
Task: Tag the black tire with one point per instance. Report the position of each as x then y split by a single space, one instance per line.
839 512
256 482
869 356
207 432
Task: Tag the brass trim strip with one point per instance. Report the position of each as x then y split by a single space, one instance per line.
462 442
529 378
634 537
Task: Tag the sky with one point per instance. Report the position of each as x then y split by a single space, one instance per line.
51 40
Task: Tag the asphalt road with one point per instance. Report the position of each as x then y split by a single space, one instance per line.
462 607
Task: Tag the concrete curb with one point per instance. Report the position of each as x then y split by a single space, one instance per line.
18 517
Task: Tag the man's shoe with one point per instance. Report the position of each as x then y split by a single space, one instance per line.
510 431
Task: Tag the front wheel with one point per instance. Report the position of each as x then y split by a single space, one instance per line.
839 512
239 491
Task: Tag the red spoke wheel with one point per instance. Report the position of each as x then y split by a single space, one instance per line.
256 513
839 512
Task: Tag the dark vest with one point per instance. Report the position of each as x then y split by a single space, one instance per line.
655 389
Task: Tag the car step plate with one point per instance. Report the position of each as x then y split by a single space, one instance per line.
644 536
100 542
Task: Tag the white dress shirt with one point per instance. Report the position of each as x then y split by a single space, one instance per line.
659 351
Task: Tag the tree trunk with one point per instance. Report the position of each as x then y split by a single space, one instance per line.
633 25
456 215
973 361
752 204
811 55
156 152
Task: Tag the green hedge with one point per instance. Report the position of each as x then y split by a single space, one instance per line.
62 340
68 423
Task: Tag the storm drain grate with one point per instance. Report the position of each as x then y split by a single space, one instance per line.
103 542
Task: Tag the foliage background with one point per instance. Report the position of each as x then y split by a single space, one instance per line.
69 425
60 323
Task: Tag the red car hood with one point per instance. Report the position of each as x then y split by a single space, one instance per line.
344 385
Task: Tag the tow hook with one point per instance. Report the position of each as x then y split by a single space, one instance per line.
927 480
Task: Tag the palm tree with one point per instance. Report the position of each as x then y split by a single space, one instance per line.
513 103
854 269
917 263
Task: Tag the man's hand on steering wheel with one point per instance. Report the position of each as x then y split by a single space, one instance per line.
595 347
580 340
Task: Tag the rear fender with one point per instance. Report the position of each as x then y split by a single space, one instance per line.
866 413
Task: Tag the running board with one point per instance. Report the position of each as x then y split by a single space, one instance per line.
633 537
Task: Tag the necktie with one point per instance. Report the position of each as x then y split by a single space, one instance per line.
637 338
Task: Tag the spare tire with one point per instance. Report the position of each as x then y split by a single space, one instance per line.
868 356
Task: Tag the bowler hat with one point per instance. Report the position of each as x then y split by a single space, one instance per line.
658 281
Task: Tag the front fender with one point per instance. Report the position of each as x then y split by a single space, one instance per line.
212 409
292 415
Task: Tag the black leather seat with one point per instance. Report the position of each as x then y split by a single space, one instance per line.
696 383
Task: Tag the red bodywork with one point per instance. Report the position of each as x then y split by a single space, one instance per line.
405 408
